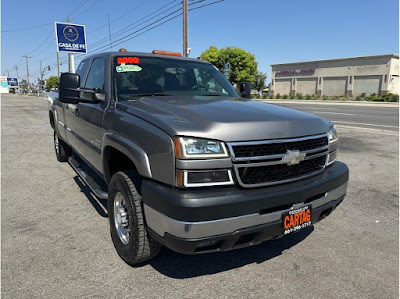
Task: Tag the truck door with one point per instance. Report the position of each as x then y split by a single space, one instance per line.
89 117
69 109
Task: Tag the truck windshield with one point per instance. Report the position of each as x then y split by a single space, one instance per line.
154 76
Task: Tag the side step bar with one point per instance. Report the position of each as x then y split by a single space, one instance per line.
96 189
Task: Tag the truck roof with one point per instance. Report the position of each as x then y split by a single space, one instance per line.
142 54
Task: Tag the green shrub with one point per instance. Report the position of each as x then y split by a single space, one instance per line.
264 96
270 96
292 96
308 97
391 97
285 96
278 96
299 96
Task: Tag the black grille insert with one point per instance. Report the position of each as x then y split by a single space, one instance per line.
258 150
280 172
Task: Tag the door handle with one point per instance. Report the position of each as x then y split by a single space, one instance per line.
77 112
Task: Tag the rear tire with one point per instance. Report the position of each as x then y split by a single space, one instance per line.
63 150
127 223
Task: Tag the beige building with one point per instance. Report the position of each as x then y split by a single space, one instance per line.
338 77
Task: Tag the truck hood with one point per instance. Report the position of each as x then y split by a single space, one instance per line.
224 118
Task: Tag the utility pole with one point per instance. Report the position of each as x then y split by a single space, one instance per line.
185 29
109 30
16 69
41 75
27 68
8 73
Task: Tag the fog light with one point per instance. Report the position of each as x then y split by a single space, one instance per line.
204 178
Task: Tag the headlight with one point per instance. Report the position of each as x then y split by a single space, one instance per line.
333 137
195 148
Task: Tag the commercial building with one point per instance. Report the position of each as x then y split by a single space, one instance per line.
338 77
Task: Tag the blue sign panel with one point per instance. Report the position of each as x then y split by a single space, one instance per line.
12 81
71 38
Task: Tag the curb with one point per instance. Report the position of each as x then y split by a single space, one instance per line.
318 102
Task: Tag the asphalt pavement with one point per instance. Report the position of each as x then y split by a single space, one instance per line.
55 237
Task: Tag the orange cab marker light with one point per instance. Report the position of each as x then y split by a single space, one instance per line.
178 149
167 53
200 58
122 50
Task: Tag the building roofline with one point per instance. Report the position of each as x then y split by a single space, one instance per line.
339 59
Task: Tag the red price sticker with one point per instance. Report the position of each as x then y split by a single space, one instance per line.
126 60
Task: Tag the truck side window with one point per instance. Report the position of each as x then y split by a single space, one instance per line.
82 70
95 77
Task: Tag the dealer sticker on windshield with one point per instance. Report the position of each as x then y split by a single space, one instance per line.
296 219
128 68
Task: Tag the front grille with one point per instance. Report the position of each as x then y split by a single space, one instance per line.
271 162
280 172
267 149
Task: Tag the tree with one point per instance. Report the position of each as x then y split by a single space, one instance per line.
259 81
52 82
243 65
23 84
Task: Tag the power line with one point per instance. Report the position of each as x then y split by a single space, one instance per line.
122 16
86 9
144 27
26 28
81 4
124 38
194 8
122 31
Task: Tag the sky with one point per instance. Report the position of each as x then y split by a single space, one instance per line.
274 31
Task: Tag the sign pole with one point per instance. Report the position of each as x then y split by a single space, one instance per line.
72 63
58 64
69 55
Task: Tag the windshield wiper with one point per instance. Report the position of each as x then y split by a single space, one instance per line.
150 94
212 95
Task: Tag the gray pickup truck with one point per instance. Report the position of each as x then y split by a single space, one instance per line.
186 161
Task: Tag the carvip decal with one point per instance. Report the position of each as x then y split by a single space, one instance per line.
125 60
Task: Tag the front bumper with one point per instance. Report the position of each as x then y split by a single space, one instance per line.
247 236
204 220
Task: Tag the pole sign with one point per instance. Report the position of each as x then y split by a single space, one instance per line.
12 81
226 70
70 38
3 82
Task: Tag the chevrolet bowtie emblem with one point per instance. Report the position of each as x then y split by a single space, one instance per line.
293 157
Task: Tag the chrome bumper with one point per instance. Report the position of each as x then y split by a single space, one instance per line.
162 224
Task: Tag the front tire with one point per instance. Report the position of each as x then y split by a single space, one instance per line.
63 150
127 224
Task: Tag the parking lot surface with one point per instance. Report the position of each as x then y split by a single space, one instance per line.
55 237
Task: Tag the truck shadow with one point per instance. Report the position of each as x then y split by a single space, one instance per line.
100 205
182 266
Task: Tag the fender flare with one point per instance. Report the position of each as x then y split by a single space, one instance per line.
129 148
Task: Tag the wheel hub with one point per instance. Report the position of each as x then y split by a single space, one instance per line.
121 218
56 143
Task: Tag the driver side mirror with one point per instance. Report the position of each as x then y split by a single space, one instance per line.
69 92
245 90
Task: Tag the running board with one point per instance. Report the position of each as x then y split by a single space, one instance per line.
96 189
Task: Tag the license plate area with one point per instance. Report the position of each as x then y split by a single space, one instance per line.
296 219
